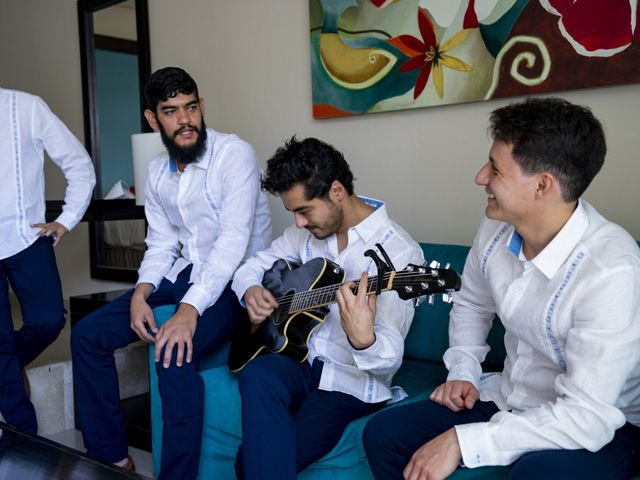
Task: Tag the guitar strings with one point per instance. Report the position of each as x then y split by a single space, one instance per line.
314 296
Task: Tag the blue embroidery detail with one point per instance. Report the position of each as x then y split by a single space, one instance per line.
173 165
156 185
307 248
207 194
515 245
552 307
369 388
386 237
18 167
489 250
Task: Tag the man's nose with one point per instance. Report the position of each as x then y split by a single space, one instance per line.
183 117
300 220
482 177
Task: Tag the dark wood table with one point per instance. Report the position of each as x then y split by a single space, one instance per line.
24 456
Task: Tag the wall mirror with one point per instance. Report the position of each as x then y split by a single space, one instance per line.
115 61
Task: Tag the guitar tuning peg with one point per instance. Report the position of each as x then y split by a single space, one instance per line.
447 298
447 266
431 300
434 264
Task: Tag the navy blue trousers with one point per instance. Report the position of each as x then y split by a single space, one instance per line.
93 342
33 276
287 423
392 437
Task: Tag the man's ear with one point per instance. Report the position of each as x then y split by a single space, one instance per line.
546 183
201 104
337 191
151 120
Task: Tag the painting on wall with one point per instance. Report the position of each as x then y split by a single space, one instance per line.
380 55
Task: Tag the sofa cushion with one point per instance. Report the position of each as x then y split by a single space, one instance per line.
428 337
419 376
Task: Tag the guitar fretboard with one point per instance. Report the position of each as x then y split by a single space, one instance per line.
324 296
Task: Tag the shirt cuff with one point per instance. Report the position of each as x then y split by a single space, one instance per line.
198 298
363 355
465 374
475 444
148 277
68 220
240 287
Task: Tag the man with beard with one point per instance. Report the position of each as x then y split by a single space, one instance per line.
206 213
294 413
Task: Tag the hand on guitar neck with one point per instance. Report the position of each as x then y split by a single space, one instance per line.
357 313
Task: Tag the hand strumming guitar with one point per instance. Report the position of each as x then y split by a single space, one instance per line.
260 303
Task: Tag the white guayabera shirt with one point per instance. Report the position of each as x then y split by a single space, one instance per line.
365 374
213 215
572 320
28 128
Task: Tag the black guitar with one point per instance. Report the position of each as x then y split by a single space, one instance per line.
304 294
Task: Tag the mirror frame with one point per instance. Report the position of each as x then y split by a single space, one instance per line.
103 209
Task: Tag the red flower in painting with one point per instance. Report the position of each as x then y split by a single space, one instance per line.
594 27
428 55
381 3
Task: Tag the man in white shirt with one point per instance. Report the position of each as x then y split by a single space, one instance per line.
28 128
294 413
206 214
566 284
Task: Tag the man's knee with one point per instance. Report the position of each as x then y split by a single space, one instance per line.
43 325
257 378
375 435
84 337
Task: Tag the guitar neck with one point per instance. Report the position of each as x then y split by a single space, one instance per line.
325 296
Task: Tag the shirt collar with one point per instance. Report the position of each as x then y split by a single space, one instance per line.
370 225
551 258
203 161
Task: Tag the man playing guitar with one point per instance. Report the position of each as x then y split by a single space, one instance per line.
354 354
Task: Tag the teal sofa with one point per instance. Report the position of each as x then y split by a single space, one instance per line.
422 370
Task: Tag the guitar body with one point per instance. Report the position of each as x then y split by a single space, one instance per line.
283 332
304 294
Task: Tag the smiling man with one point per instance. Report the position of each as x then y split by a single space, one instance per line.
566 284
206 214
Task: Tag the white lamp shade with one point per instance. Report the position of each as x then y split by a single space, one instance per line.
145 146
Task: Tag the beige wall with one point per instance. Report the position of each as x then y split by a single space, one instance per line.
251 61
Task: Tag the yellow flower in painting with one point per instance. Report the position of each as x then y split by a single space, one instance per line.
429 56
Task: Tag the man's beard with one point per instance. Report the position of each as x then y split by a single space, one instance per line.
189 153
331 225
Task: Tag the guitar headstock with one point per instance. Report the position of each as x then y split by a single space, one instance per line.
422 280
